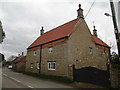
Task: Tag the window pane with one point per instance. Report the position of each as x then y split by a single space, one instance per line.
51 65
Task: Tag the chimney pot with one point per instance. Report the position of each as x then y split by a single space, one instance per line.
80 12
95 31
41 31
18 55
22 53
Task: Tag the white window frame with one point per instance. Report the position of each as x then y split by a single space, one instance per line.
50 49
50 65
35 53
38 65
31 65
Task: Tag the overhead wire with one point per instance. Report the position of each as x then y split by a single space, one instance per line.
90 9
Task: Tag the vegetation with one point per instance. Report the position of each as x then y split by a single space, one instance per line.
115 59
50 77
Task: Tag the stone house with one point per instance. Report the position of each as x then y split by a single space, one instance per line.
54 52
19 63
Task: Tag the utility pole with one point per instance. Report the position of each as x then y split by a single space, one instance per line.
115 26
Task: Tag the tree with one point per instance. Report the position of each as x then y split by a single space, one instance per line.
2 33
114 57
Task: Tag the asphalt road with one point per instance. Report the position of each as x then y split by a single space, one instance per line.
12 79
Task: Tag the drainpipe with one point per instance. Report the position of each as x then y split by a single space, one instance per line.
40 59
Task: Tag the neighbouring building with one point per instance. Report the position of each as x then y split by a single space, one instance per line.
56 51
19 63
9 60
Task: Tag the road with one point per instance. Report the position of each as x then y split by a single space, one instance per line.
11 79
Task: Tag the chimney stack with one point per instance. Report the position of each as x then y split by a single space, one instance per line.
22 54
80 12
41 31
95 32
18 55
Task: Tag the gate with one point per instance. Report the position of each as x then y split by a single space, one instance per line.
91 75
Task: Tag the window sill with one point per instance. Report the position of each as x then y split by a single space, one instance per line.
51 69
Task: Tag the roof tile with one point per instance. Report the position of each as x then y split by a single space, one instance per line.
99 41
60 32
56 33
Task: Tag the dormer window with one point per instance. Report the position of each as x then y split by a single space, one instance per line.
34 53
50 49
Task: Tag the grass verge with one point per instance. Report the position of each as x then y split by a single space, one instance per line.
50 77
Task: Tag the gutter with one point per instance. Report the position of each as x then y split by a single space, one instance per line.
102 45
47 42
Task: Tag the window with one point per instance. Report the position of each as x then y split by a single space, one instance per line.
90 50
50 49
38 65
51 65
31 66
34 53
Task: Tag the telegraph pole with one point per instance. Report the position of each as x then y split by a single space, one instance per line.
115 26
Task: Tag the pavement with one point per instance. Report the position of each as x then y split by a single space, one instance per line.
11 79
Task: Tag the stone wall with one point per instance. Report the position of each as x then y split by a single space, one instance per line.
58 55
31 59
20 66
115 75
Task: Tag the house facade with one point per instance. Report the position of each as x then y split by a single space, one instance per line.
56 51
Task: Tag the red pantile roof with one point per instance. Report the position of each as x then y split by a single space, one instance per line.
54 34
60 32
20 59
99 41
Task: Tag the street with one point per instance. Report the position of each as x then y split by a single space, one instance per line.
11 79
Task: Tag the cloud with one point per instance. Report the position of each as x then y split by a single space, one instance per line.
23 19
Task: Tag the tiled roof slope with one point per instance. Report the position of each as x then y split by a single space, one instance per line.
56 33
60 32
99 41
20 59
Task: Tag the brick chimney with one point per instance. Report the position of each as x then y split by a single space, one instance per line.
80 12
95 32
41 31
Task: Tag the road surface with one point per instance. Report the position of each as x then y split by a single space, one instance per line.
12 79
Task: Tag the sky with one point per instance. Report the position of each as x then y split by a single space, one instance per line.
23 19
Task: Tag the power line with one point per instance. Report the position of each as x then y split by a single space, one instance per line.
90 9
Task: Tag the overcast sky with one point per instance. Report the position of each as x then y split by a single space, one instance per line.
23 19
